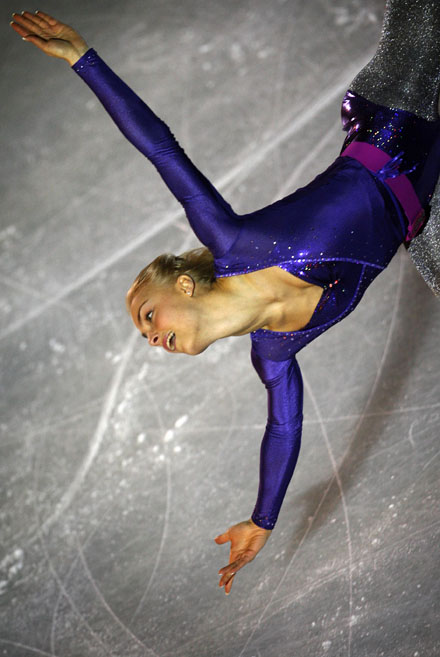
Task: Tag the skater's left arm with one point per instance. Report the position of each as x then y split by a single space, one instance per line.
279 453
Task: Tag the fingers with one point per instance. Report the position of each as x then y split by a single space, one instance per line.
226 580
30 30
37 41
38 24
36 19
228 585
234 566
50 19
222 538
228 572
20 30
27 22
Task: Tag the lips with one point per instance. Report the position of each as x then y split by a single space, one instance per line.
169 341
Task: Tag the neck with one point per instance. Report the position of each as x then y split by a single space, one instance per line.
234 306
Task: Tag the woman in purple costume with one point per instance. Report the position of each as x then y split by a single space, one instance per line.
289 271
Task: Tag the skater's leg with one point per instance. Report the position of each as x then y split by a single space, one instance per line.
425 248
405 71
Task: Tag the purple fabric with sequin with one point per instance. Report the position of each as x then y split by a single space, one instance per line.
339 232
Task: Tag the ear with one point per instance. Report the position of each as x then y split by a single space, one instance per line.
186 284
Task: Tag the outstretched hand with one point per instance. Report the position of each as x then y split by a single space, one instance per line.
50 35
247 539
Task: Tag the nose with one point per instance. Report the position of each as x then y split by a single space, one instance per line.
154 339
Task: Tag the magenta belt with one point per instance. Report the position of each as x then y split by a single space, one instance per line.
376 161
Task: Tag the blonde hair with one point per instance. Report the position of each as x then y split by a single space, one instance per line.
166 268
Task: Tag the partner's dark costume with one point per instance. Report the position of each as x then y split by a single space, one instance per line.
339 232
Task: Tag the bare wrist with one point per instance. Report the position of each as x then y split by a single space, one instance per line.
77 54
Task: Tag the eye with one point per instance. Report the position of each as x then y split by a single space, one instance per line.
149 316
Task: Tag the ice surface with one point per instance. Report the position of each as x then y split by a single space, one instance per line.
120 464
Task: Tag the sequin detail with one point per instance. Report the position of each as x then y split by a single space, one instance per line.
90 58
264 521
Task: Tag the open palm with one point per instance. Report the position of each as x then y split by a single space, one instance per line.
246 541
50 35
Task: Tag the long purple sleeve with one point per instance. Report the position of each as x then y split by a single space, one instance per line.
211 218
282 439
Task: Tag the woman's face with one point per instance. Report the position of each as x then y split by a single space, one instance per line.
167 317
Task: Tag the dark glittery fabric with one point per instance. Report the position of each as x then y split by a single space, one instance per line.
338 233
405 73
425 248
396 132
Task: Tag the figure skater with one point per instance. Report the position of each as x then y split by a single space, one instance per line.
289 271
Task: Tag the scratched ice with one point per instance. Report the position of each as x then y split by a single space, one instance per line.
120 464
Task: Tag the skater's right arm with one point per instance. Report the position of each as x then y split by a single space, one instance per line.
211 218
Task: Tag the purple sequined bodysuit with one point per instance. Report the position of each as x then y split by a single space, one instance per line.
339 232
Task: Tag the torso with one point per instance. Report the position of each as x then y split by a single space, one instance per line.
296 299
